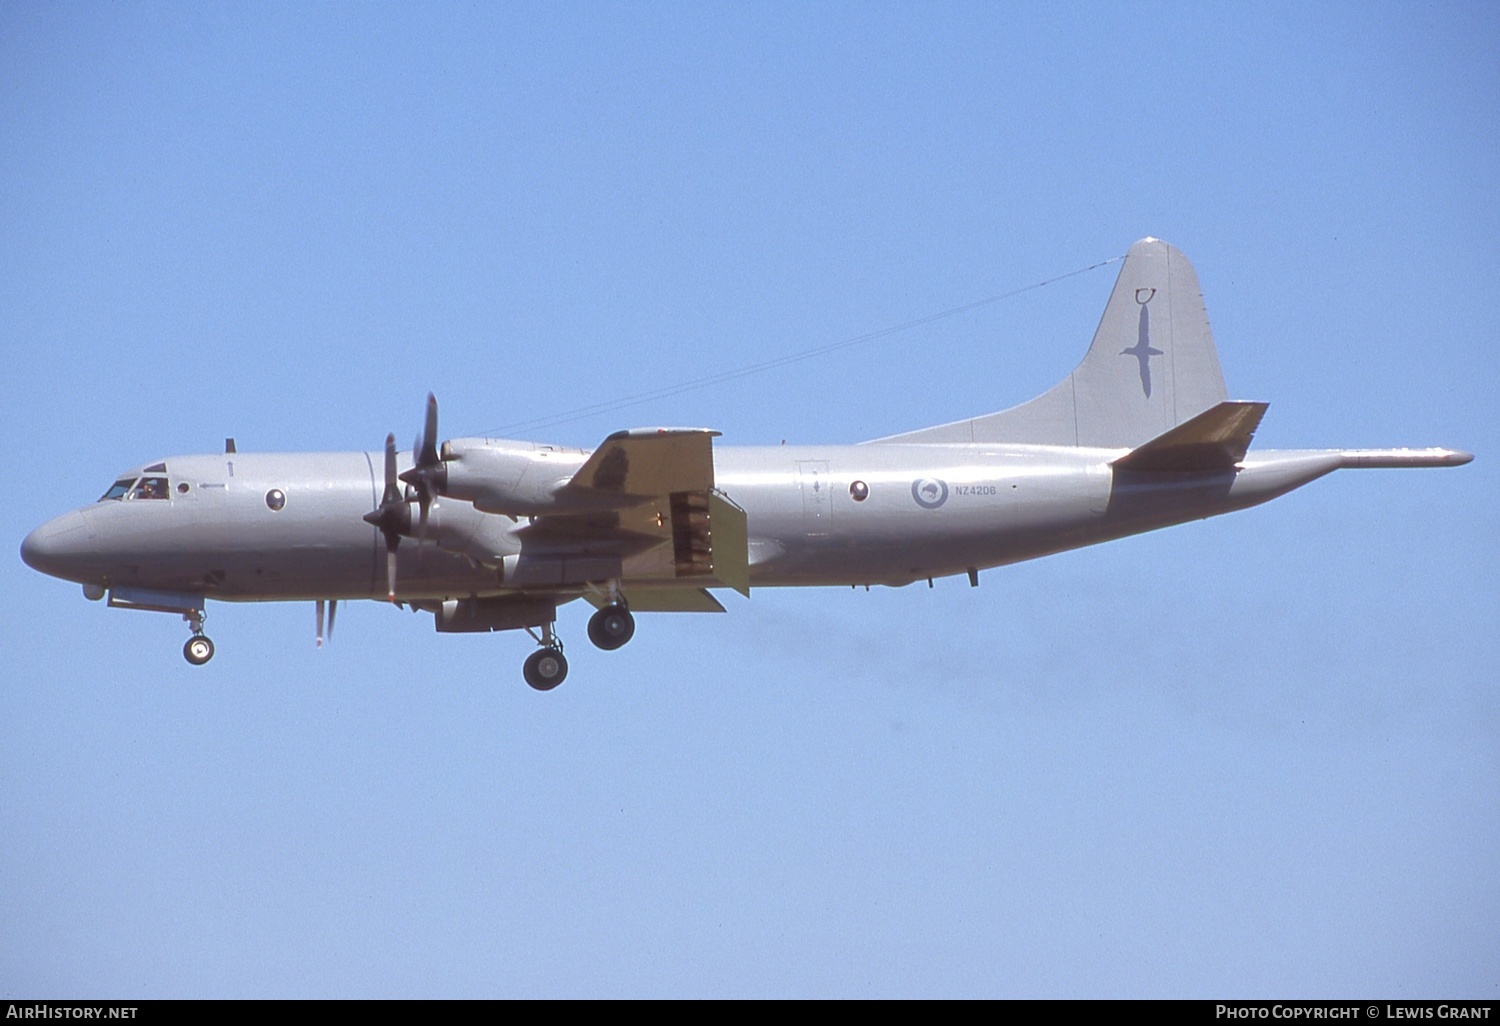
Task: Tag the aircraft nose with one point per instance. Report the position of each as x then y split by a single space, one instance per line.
55 547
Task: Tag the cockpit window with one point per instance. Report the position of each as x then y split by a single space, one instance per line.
149 488
131 488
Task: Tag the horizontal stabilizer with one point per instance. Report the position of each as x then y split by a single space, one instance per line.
1392 458
1215 439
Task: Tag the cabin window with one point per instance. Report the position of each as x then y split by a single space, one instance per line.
275 499
859 491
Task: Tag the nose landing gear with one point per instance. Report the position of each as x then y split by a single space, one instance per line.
199 649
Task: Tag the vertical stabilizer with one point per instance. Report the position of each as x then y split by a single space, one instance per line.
1152 366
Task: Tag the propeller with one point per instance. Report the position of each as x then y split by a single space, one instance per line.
426 480
333 610
428 475
392 516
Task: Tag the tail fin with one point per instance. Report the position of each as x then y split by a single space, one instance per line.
1151 367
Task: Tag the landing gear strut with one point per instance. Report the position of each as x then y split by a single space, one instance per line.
611 626
199 649
546 668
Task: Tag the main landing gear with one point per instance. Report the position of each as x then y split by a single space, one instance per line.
611 626
199 649
546 668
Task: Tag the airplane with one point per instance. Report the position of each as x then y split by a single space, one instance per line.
491 534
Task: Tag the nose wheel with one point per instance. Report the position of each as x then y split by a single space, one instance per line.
199 649
611 627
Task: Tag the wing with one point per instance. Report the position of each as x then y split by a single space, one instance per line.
633 467
646 500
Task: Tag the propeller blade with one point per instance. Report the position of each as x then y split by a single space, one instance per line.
426 479
392 516
390 566
428 474
392 488
428 457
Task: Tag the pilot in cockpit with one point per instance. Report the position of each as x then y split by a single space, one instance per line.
145 488
150 488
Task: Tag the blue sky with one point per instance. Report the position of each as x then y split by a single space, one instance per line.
1250 756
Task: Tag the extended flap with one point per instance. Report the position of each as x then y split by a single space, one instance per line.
647 599
730 537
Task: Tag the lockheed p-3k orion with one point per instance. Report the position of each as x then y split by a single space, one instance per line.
493 534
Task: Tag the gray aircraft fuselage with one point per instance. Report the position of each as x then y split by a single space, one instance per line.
1140 435
989 505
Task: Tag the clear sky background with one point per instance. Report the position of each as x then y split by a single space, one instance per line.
1258 755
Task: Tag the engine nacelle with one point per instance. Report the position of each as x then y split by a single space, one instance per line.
485 538
508 477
